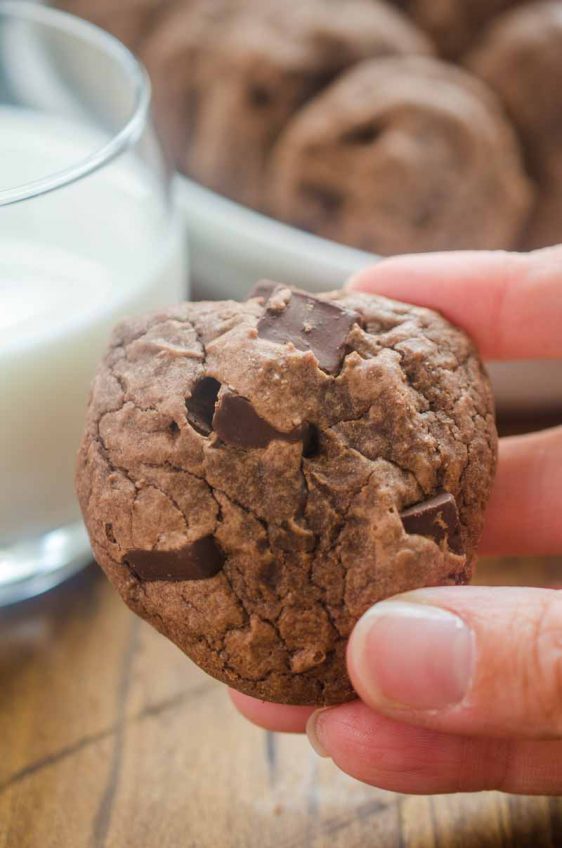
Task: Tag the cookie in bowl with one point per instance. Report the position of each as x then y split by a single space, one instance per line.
228 76
520 57
405 154
455 24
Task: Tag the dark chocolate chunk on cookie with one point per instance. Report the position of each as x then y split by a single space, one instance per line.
198 561
201 405
437 518
237 423
310 324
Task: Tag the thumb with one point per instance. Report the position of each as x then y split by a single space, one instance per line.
466 660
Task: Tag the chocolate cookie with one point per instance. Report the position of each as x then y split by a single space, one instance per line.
225 89
173 54
520 57
454 24
254 476
403 154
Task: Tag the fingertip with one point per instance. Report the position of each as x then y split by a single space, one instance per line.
358 282
390 273
406 655
313 733
398 757
329 726
367 279
505 301
277 717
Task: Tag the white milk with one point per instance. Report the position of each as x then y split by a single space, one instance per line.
71 264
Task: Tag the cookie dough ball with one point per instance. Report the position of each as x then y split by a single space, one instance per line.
454 24
229 106
520 57
403 154
254 476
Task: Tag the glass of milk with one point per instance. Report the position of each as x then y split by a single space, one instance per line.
88 234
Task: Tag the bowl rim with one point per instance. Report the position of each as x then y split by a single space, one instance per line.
260 228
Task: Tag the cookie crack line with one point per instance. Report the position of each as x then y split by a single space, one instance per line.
128 474
345 517
106 450
452 420
226 576
390 460
281 598
332 550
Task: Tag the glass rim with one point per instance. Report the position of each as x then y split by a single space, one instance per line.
126 135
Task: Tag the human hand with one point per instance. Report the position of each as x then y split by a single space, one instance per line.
461 687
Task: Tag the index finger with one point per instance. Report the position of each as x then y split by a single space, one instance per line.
509 303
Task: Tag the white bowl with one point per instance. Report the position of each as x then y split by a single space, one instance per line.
232 246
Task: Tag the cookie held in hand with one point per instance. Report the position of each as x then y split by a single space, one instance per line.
255 475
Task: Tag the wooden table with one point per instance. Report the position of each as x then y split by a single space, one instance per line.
110 737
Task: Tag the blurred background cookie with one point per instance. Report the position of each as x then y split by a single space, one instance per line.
238 96
454 24
173 56
403 154
520 57
254 68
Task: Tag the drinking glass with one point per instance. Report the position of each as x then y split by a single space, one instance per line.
88 233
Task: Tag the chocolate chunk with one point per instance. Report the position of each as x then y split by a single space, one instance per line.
198 561
237 423
201 405
270 573
310 324
311 441
437 518
263 288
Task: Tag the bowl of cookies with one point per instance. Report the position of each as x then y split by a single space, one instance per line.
313 140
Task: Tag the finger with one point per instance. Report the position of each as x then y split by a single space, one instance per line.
467 660
414 760
509 303
285 719
523 516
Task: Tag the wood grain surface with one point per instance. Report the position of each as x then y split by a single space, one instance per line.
110 737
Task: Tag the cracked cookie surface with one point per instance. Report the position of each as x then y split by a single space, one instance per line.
254 476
